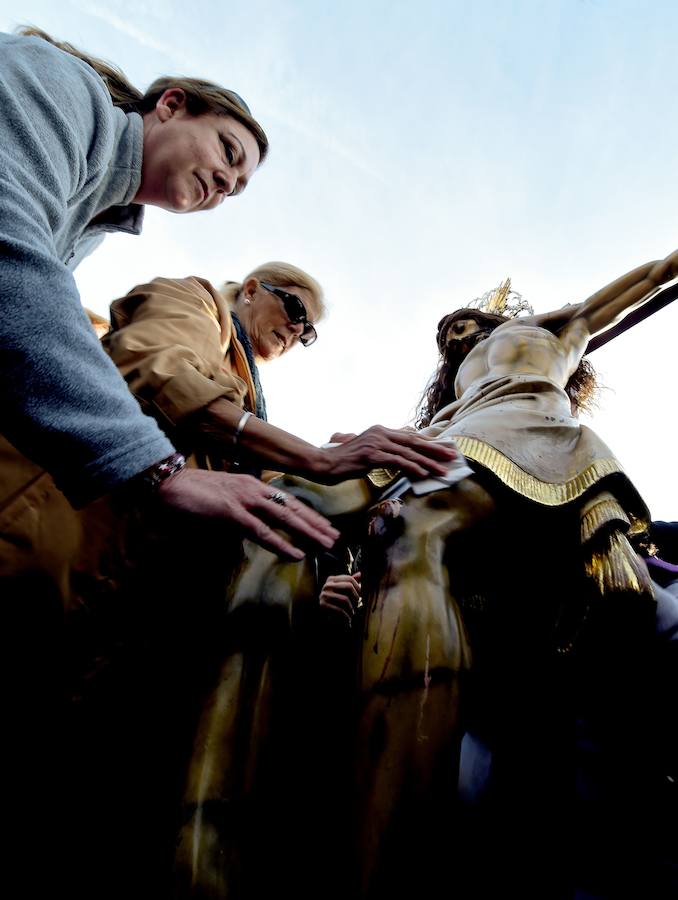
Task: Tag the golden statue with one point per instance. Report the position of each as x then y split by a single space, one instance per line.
478 589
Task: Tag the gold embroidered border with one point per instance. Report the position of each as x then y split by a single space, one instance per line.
523 483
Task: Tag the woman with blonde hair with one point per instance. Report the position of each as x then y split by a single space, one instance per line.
190 355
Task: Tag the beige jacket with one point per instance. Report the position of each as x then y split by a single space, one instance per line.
173 341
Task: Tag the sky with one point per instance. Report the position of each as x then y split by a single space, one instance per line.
420 154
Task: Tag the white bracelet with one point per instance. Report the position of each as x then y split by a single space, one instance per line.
241 426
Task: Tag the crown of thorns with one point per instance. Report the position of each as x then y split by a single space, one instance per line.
502 301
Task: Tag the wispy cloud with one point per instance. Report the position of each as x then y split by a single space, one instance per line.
327 142
189 62
142 37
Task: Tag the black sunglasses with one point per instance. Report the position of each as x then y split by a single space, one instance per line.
295 312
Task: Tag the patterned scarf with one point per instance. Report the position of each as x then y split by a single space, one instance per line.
243 337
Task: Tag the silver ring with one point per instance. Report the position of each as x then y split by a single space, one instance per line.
278 497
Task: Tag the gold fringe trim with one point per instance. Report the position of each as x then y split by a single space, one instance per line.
601 511
522 482
618 568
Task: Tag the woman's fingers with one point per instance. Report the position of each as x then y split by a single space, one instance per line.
378 446
337 603
340 437
341 594
347 584
254 507
284 511
440 450
262 534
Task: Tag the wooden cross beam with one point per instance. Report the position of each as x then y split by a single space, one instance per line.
654 304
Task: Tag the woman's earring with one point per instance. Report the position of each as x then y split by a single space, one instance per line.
247 300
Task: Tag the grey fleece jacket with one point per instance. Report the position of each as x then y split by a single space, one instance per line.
67 156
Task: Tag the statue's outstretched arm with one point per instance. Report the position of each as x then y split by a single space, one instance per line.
612 302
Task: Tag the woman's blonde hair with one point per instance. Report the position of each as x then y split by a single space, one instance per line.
280 274
201 96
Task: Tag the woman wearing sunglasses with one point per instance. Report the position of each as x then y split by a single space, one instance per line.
190 354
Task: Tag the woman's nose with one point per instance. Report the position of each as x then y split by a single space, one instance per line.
225 182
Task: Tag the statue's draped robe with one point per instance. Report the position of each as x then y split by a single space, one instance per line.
520 427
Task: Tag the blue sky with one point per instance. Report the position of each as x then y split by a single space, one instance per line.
420 153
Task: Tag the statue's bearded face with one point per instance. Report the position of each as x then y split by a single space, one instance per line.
458 333
458 337
462 330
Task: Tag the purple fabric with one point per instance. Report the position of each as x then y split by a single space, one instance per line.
661 564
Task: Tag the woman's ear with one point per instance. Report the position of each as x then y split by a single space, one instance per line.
170 103
249 289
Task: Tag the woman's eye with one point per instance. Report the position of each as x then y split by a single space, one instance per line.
230 156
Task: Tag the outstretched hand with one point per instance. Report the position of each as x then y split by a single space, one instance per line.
247 503
390 448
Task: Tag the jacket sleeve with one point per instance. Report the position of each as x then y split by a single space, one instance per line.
64 405
169 343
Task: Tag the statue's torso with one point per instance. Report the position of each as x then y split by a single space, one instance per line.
514 417
515 349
